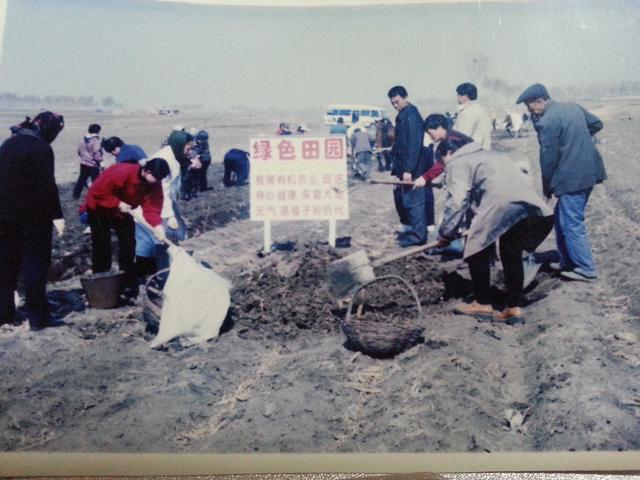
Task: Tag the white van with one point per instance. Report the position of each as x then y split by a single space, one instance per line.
351 114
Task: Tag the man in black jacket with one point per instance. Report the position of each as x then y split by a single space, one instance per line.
30 207
409 164
571 166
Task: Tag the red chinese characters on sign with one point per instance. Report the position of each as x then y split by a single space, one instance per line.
286 150
261 150
304 178
333 148
311 150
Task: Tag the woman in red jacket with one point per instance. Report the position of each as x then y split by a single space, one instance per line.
115 193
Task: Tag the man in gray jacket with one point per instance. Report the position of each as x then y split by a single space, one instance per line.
571 165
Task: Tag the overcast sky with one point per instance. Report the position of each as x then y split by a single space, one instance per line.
149 54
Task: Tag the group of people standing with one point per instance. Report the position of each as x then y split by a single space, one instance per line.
489 200
136 197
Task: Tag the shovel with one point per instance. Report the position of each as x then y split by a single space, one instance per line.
531 268
407 183
356 269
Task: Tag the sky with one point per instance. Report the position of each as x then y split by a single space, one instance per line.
150 54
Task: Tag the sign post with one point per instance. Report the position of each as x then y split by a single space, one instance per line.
298 177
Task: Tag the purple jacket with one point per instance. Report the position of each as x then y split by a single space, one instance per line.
90 151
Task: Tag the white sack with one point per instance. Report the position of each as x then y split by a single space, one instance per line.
196 301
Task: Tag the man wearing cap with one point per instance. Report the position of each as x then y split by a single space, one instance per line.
570 165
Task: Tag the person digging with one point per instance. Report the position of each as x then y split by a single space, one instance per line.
490 199
110 200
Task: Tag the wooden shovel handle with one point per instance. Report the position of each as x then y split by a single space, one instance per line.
405 253
407 183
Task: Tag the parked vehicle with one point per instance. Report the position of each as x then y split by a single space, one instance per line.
351 114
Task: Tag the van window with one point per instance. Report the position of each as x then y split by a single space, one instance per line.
345 112
374 113
365 113
332 112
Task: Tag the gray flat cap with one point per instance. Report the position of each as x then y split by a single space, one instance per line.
534 92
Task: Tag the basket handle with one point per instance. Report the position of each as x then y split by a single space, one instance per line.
384 277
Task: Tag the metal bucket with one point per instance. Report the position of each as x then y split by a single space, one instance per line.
103 289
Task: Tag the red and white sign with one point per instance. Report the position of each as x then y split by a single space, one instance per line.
297 177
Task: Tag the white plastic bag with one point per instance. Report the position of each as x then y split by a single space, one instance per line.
196 301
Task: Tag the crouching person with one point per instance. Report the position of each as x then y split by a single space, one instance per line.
489 200
118 190
236 167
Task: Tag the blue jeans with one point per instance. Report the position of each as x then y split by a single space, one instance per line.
413 200
571 232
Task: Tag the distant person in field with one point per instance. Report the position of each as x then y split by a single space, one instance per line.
361 148
283 129
29 210
236 168
181 144
570 165
472 119
339 128
90 153
120 189
203 152
124 152
384 140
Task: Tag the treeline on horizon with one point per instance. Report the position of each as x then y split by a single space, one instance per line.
10 99
622 89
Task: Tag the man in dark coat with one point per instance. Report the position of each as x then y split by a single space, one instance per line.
30 207
408 165
571 165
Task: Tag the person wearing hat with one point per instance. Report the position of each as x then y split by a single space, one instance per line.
203 152
90 153
29 209
571 165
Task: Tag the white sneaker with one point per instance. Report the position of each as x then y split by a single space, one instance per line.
431 228
87 231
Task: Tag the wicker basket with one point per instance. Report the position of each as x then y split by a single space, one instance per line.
153 298
383 338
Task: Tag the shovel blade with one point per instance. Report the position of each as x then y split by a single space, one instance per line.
531 268
349 272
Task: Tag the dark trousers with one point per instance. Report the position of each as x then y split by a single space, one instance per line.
25 247
429 206
101 226
86 172
410 205
526 235
202 176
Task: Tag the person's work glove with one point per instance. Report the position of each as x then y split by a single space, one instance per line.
172 223
159 233
419 183
124 207
406 176
58 223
